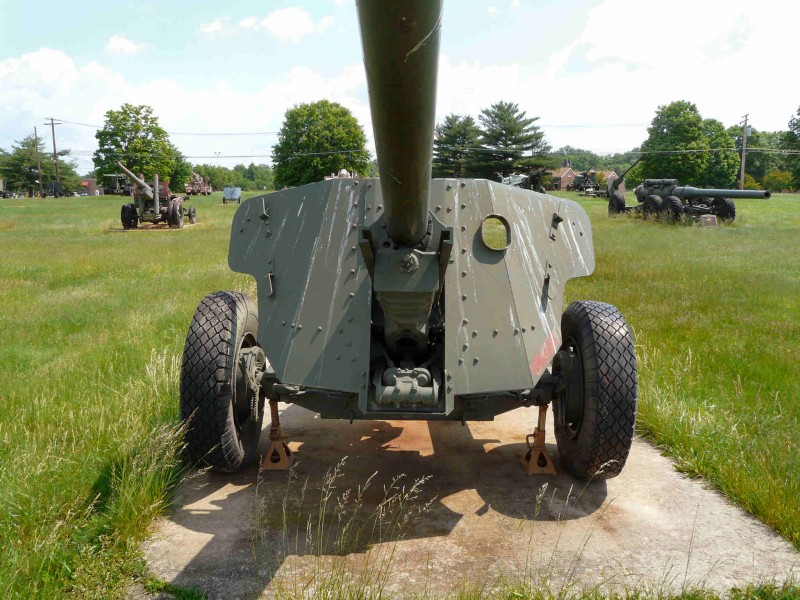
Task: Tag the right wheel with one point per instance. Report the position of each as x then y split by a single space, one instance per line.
218 401
595 406
724 208
673 207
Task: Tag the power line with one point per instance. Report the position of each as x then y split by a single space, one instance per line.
195 133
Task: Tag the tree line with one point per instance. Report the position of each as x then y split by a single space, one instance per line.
321 138
681 145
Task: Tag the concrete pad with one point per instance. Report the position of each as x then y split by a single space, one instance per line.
228 536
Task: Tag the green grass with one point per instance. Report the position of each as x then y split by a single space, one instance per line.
717 323
93 322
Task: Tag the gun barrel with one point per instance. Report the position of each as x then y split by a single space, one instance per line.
400 41
686 191
146 189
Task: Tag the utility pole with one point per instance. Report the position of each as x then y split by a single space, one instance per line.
745 129
38 162
217 153
55 155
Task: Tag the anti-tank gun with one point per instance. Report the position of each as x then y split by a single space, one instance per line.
154 204
409 298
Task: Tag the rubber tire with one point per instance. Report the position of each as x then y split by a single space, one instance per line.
177 214
124 216
652 206
610 391
192 214
214 436
134 216
724 208
673 207
169 216
616 205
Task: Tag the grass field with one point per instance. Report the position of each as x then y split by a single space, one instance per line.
93 322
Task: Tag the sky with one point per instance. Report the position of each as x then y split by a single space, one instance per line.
593 71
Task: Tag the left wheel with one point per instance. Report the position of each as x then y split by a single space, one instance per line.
217 399
595 404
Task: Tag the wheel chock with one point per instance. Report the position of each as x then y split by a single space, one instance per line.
537 460
278 457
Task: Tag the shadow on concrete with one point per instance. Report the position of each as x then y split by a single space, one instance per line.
242 515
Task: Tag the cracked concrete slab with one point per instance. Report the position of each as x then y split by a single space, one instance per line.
227 534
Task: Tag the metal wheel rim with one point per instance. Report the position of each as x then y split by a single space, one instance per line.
572 398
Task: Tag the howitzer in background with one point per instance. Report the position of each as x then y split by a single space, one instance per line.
154 204
407 298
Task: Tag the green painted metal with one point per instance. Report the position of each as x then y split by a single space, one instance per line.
671 187
378 298
401 51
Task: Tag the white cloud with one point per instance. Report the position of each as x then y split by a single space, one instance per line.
287 24
514 3
492 10
607 83
218 29
118 44
47 81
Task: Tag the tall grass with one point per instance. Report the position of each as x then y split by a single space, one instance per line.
717 323
91 329
93 321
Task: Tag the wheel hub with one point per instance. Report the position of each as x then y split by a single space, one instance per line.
569 397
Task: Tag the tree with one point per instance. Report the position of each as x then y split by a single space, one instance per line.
758 163
778 181
20 172
676 127
791 141
316 140
722 166
133 136
507 135
181 172
454 139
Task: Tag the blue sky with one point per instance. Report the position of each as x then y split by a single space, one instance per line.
583 66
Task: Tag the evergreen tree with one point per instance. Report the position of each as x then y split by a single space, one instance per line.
454 139
509 141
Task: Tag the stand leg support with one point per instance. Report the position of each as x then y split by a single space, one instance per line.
537 460
278 456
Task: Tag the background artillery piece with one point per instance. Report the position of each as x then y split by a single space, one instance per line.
198 185
409 298
154 204
666 198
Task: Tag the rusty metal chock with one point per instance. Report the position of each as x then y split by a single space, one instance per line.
278 456
537 460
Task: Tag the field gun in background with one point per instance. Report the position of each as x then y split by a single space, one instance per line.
669 199
117 184
409 298
198 185
154 204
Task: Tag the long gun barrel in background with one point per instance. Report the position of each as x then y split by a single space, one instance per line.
147 191
401 52
685 191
